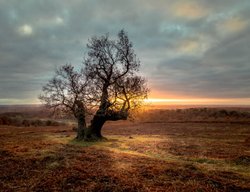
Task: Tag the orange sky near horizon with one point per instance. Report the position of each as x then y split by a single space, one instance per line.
198 101
161 98
178 100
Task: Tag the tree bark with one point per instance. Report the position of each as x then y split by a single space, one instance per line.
80 115
81 127
93 132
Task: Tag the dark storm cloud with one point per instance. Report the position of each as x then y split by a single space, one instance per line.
190 48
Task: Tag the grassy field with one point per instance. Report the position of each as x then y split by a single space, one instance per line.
149 156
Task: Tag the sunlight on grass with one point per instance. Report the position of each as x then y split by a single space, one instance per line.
59 139
132 146
83 143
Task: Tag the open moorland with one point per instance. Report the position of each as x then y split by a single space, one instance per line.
199 149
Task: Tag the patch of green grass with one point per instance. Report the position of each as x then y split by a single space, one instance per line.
59 139
154 155
83 143
204 160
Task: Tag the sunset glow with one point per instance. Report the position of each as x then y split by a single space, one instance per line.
161 101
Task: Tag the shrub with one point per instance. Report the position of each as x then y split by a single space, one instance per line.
6 120
16 122
37 122
48 123
26 123
55 123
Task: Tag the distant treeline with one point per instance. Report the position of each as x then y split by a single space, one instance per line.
18 119
194 114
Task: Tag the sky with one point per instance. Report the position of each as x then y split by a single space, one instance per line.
191 51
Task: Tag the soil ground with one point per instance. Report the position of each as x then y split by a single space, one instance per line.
136 157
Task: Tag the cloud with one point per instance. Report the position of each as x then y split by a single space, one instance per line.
187 48
233 25
25 30
189 10
48 22
59 20
222 72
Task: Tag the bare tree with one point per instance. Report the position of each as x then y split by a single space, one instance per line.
112 67
109 83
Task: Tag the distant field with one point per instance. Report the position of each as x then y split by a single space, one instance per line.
137 157
205 114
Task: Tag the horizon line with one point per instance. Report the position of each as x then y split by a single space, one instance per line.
167 101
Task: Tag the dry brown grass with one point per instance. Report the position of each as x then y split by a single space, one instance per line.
184 115
137 157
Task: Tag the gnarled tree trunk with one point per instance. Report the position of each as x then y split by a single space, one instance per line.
81 127
80 115
93 132
103 114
